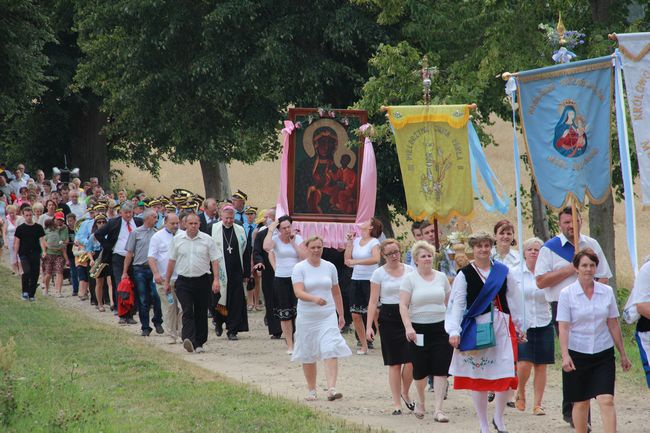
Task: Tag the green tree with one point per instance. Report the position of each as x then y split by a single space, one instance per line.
24 31
209 81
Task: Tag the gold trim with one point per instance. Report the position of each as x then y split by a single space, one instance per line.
424 215
429 117
569 195
567 71
629 55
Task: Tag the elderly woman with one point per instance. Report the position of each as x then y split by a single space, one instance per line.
56 239
538 349
385 283
587 315
9 232
362 255
481 329
318 336
423 302
288 249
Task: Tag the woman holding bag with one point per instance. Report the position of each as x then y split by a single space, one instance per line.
484 336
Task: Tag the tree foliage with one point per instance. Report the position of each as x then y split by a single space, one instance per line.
204 80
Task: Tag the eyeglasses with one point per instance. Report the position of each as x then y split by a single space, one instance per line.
391 253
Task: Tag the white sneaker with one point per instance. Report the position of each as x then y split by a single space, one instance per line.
199 349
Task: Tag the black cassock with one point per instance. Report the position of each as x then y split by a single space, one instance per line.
237 319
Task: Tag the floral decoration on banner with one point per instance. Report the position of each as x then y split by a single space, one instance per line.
562 41
321 113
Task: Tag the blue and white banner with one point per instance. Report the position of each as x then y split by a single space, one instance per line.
565 113
635 48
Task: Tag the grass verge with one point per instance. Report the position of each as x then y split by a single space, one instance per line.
74 375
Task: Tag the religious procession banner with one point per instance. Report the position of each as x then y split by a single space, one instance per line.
565 114
635 50
433 146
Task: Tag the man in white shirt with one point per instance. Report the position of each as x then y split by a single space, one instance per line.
191 254
18 182
158 257
554 270
76 206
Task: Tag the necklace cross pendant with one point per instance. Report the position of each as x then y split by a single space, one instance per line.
229 250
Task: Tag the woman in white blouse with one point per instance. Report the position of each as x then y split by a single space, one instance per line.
362 255
504 234
538 350
587 315
423 303
288 250
385 283
318 335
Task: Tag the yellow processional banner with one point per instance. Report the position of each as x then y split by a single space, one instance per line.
433 150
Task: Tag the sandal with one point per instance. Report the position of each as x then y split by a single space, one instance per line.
362 352
333 395
311 396
538 411
410 405
101 309
419 414
249 308
520 403
440 416
397 412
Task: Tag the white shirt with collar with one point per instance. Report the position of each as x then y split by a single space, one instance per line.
193 256
120 245
548 261
511 259
16 184
589 332
159 250
78 208
537 311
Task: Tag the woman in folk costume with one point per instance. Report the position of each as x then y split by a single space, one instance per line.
231 242
482 331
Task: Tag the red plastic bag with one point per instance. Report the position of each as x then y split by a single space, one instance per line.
125 297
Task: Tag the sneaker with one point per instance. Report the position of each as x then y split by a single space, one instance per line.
32 299
187 345
232 337
371 345
122 321
25 296
146 332
172 340
130 321
159 329
199 349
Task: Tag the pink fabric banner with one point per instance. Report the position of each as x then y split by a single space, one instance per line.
334 234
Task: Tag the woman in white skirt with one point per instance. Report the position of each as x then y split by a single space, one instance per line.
318 336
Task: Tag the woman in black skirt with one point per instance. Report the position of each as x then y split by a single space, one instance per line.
385 283
587 315
423 302
539 349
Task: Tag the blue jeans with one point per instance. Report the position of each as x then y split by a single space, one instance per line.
74 279
147 295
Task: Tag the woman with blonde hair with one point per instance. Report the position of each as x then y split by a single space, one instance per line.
538 350
482 331
423 302
318 336
385 284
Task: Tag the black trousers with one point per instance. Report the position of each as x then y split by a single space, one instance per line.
194 296
31 264
272 322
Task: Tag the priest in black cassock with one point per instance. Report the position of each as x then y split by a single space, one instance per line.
231 304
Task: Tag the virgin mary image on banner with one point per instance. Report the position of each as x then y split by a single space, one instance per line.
325 159
570 138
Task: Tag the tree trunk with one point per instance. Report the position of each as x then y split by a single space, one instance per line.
382 212
90 150
215 179
540 220
601 228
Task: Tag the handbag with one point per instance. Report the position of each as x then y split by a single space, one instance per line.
485 337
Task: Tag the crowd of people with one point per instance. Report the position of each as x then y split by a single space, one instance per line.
490 322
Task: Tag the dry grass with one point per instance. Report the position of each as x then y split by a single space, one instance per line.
261 182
